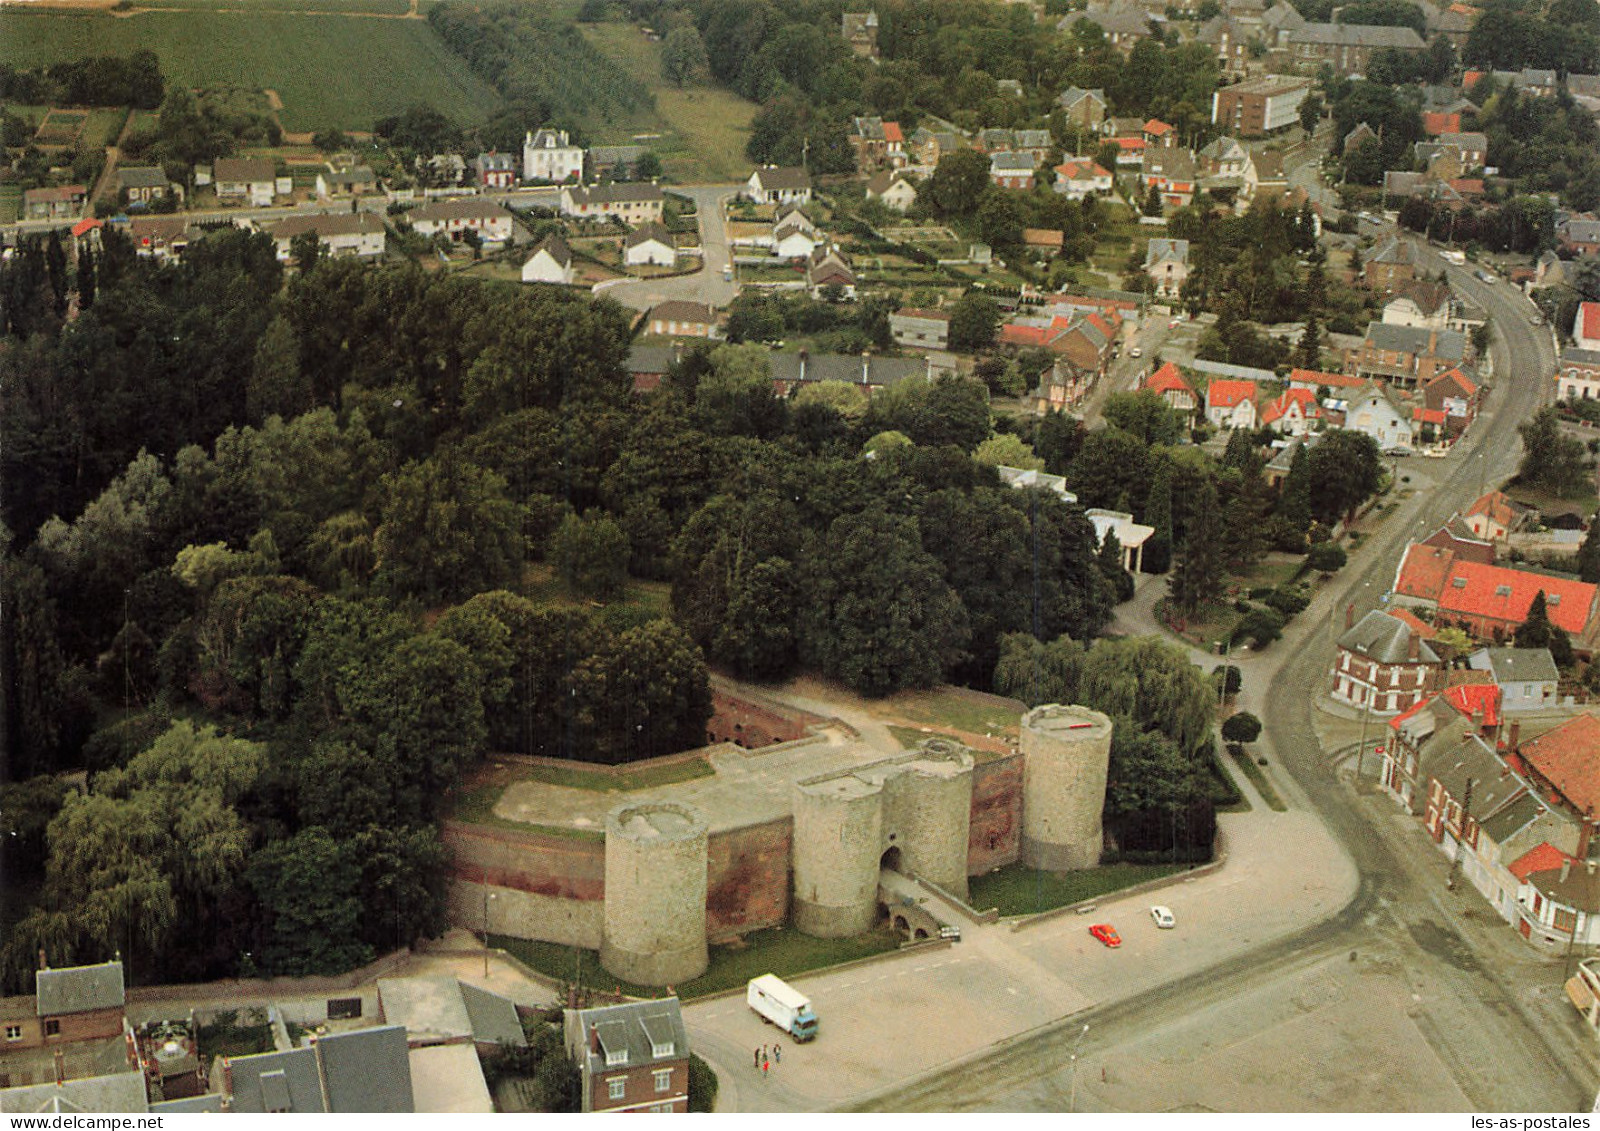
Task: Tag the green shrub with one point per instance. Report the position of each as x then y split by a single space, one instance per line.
702 1085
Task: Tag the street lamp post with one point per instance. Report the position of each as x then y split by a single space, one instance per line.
1072 1102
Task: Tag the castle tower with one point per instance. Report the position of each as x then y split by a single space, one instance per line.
655 905
1066 754
838 830
928 813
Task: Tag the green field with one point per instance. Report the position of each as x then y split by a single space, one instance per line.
342 71
364 7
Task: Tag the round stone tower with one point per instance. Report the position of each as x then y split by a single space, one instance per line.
838 823
655 906
1066 753
928 813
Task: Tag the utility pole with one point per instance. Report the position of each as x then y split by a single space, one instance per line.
1461 837
1072 1102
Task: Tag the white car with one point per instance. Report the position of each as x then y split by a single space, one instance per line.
1135 351
1163 917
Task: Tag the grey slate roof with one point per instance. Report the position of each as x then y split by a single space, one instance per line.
557 247
847 367
1580 231
1514 817
1223 369
210 1102
141 176
367 1070
1492 784
792 178
634 1029
612 155
1010 162
1579 888
79 989
1450 345
494 1018
615 194
1385 640
1520 665
1358 35
646 233
1585 357
650 359
276 1081
1160 249
119 1092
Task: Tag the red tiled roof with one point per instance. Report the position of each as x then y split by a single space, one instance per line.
1428 415
1043 237
1496 507
1331 380
1467 186
1167 379
1081 170
1102 325
1589 313
1157 126
1306 398
1012 334
1415 623
1226 394
1568 757
1127 144
1423 571
1469 79
1415 708
891 132
1436 123
87 224
1542 857
1567 602
1469 698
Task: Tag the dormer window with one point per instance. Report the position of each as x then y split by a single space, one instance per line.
661 1048
616 1056
1502 590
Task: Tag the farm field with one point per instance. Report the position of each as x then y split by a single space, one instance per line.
708 126
329 70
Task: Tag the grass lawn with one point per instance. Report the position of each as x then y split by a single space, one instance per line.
475 805
785 953
1252 770
1017 890
361 7
102 128
704 128
10 203
329 70
957 711
1548 504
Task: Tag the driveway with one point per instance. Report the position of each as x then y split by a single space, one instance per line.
705 285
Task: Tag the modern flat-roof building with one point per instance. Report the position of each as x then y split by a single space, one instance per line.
1259 106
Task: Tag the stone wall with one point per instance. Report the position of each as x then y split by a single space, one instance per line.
747 881
752 723
545 887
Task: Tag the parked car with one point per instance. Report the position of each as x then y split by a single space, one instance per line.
1396 451
1163 917
1135 351
1107 934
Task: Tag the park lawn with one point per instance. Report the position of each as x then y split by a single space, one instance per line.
775 950
705 128
1017 890
330 71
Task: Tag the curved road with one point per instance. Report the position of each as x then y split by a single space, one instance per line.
1499 1035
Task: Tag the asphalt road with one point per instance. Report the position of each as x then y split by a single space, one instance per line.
1489 1010
706 285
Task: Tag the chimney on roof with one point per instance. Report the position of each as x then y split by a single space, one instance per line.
1566 868
1516 734
594 1038
1585 833
1413 647
1350 615
44 963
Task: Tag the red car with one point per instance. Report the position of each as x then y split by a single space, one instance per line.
1106 933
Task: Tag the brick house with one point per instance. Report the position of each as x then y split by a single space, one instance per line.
1011 170
1393 262
1408 356
495 170
1488 601
1085 109
1172 173
1259 106
1384 665
631 1057
1455 396
878 144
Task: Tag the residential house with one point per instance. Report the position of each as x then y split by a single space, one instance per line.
1167 263
633 204
1494 517
860 31
1455 395
829 272
631 1057
1391 263
442 170
1488 600
1586 326
1526 677
245 180
920 329
794 236
72 1028
1124 24
1384 666
613 162
648 365
1373 412
1039 143
1085 109
161 237
1436 722
1358 136
1348 48
1549 270
143 184
551 262
1579 235
1011 170
1259 106
1062 387
364 1071
1077 177
116 1094
1293 412
790 371
1406 356
1472 149
650 245
549 156
1336 384
681 319
1436 122
1130 152
494 171
341 234
455 217
1419 303
1579 375
354 180
878 144
1159 134
1172 173
895 190
927 146
1168 383
62 202
772 185
1231 404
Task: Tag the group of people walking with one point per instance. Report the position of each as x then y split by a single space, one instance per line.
767 1057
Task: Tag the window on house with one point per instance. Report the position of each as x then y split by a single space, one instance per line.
13 1032
617 1087
1565 919
52 1028
663 1079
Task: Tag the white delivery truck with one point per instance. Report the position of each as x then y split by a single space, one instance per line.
783 1005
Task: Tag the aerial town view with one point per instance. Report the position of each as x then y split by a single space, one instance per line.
566 556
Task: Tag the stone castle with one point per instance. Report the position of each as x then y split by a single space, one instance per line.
796 832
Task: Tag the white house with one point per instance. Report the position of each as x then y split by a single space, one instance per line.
1527 677
632 204
1230 403
1167 262
549 156
1292 412
456 217
652 245
354 180
341 234
895 191
794 236
551 262
773 185
1372 411
1077 177
1420 304
1586 327
245 180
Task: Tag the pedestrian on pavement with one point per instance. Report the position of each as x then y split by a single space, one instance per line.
766 1066
777 1053
758 1058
